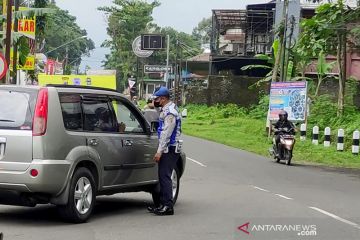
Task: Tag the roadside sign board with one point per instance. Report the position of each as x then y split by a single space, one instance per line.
136 46
3 66
153 42
156 69
108 81
28 65
288 96
26 25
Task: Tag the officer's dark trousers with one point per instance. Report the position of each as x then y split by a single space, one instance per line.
166 166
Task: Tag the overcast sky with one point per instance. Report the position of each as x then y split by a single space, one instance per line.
182 15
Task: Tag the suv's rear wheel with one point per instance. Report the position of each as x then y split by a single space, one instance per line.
82 197
175 179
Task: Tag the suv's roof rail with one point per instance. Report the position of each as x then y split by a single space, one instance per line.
80 87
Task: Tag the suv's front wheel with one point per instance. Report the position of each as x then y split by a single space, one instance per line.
82 197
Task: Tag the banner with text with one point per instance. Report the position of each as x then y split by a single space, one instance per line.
288 96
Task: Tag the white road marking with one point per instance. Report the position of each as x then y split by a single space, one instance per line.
197 162
282 196
261 189
336 217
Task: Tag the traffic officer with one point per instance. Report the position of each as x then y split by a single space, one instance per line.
168 151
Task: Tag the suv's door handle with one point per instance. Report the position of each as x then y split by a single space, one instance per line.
93 142
128 143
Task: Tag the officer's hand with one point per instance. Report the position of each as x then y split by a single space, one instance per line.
157 157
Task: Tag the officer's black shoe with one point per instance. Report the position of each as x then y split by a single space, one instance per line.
152 209
164 211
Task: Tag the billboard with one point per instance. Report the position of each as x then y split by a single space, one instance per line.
288 96
153 42
107 81
27 27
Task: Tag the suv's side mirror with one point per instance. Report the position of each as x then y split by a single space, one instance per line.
154 126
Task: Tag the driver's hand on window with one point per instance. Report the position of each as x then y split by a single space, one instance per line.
122 127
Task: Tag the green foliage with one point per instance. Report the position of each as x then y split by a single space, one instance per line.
41 20
323 110
202 33
327 32
323 68
181 44
245 129
260 110
127 19
219 111
61 28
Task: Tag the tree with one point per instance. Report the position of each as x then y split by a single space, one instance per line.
328 32
127 19
182 45
18 39
323 69
202 33
61 28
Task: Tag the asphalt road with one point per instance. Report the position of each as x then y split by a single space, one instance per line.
223 188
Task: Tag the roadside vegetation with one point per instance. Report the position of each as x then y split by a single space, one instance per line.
330 32
245 128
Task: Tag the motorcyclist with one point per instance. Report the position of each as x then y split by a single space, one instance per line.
282 123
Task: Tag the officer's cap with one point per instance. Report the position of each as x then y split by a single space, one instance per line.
162 92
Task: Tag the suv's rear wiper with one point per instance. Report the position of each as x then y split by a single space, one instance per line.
6 120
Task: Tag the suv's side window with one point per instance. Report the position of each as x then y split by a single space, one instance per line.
71 111
98 117
126 119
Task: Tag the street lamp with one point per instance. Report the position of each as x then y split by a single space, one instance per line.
65 44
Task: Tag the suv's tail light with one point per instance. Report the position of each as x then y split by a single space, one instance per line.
41 113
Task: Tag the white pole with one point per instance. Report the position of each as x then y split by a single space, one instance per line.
340 143
327 137
315 139
355 147
167 61
303 132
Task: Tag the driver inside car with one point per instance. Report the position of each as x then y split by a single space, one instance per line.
282 123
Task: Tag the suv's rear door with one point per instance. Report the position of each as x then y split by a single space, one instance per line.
16 116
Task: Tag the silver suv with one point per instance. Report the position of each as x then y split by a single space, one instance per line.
66 145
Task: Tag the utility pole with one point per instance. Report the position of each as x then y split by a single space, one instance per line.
279 53
66 59
15 55
8 35
176 71
137 74
283 74
167 61
180 78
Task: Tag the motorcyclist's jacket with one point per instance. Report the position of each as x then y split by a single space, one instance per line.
284 124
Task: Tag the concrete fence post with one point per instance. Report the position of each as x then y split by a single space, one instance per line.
315 135
340 140
355 147
327 141
303 132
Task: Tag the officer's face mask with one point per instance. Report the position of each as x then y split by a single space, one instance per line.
157 103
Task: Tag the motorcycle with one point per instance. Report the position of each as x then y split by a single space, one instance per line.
284 150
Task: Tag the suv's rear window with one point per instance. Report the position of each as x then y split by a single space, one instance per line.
16 110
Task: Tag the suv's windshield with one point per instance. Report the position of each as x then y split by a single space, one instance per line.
16 110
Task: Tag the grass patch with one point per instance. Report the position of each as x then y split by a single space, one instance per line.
245 132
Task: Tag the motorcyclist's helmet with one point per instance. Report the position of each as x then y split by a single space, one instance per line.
283 116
